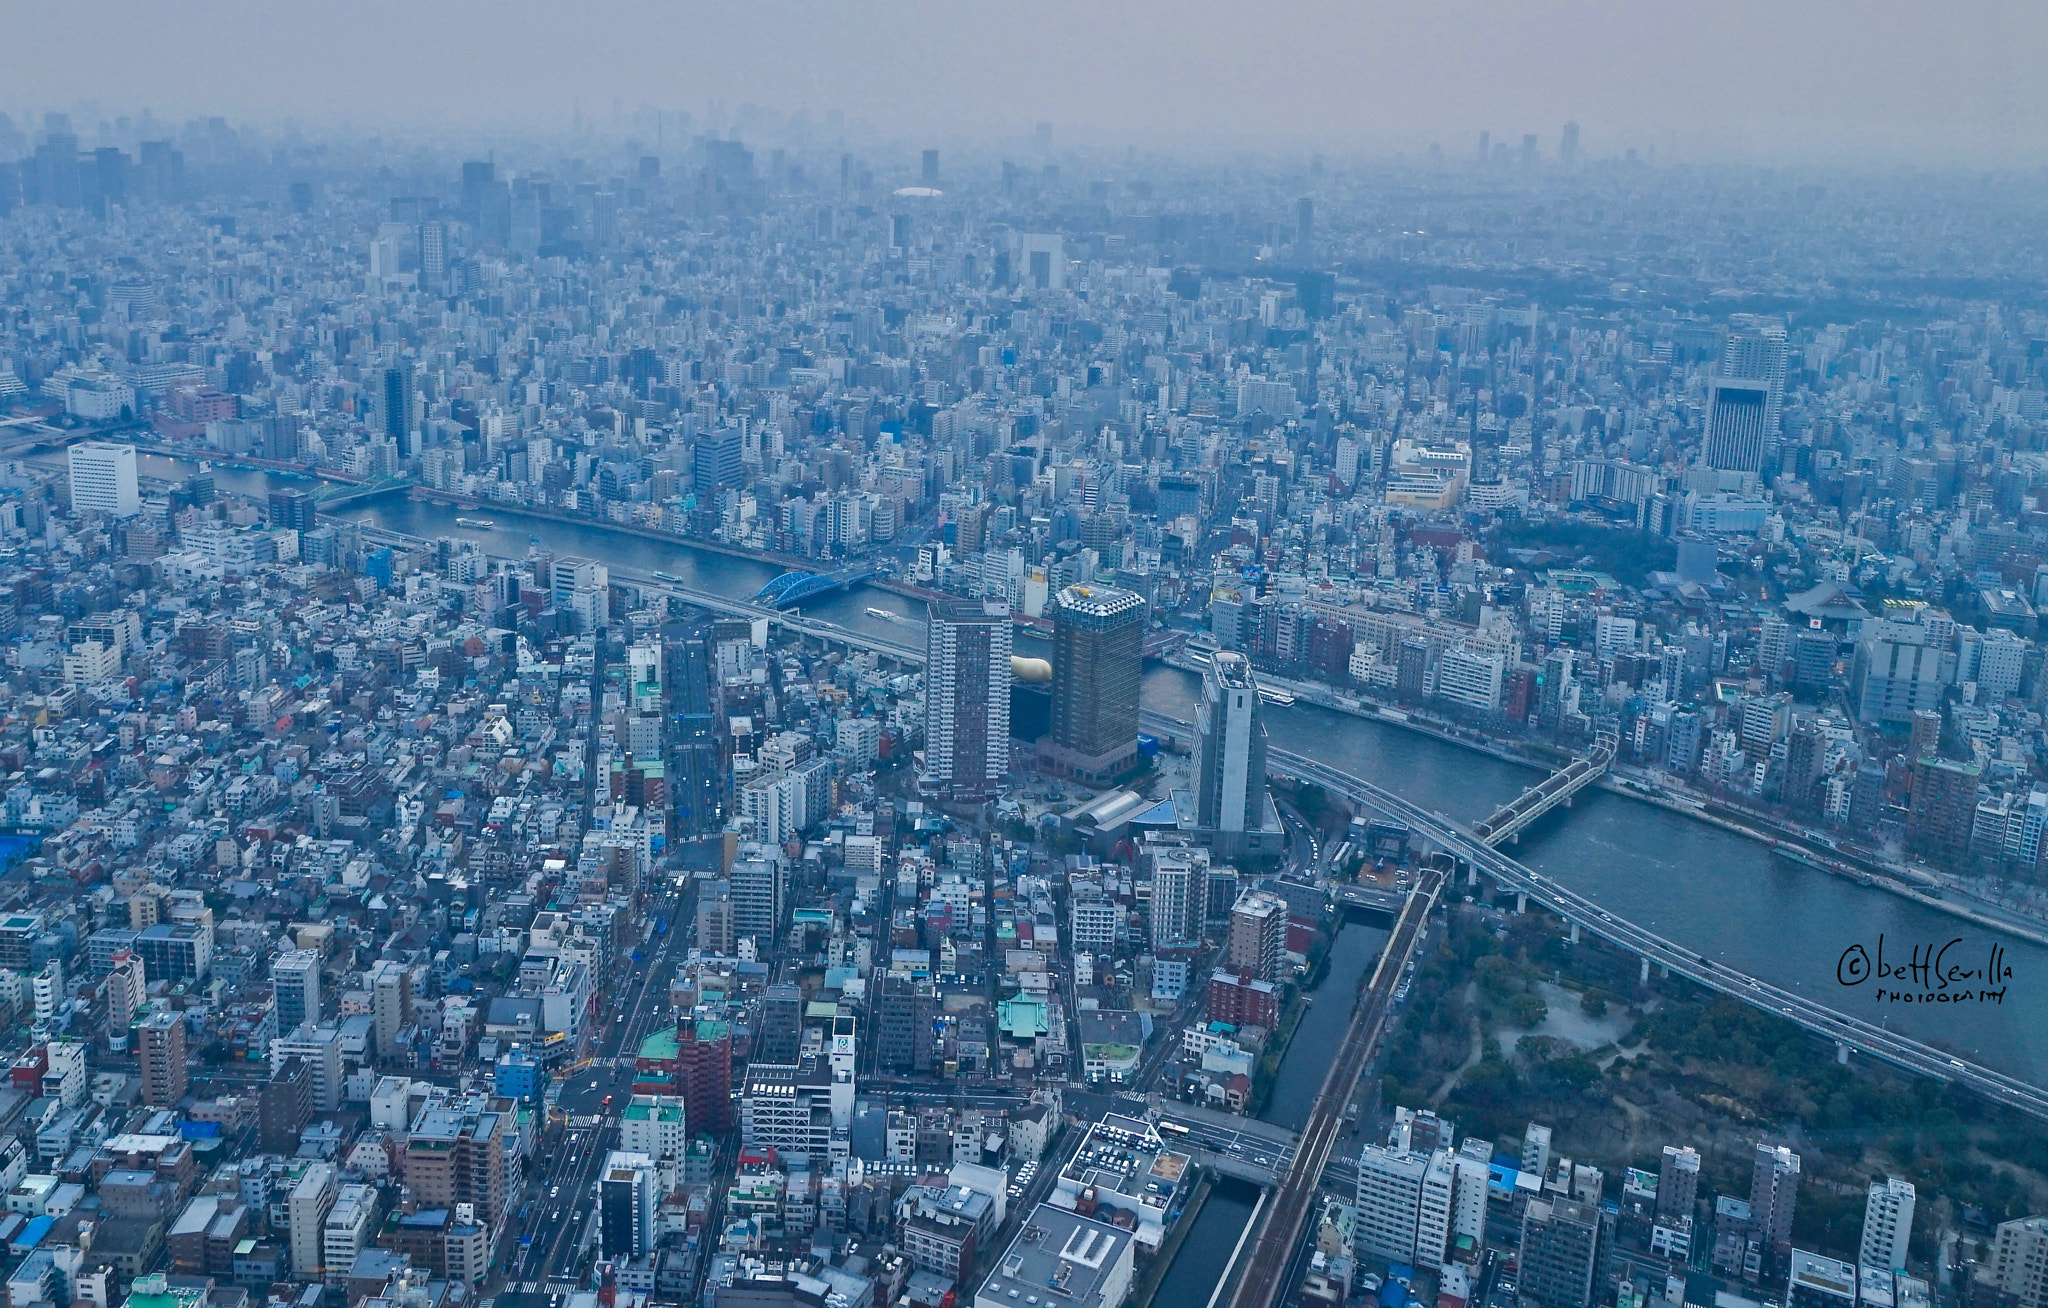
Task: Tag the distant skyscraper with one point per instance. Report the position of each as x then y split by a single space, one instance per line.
395 395
434 257
477 178
930 171
1568 148
1529 150
1738 427
1485 146
1097 644
1044 261
715 461
1304 227
103 479
604 219
967 698
1230 747
1757 353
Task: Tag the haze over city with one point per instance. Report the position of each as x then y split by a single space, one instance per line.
1886 83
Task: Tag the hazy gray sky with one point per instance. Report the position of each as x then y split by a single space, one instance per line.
1720 78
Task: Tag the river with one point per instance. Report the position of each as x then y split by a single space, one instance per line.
1321 1029
1705 889
1204 1256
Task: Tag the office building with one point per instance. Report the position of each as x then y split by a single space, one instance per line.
942 1225
1944 807
103 479
715 461
1773 1191
1738 432
967 699
396 395
657 1126
293 510
434 257
295 984
715 934
1230 747
127 987
626 1205
760 891
905 1010
320 1046
1258 935
1887 1224
692 1060
1098 637
1559 1252
165 1076
1901 668
1757 353
1043 259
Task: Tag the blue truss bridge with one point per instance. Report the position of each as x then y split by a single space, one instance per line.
794 588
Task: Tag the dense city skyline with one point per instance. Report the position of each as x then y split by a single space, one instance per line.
1332 658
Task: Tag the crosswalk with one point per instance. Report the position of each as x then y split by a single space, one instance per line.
553 1285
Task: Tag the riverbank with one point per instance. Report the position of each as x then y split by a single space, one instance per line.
1780 838
1789 846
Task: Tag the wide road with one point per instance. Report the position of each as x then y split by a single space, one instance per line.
570 1157
1286 1218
